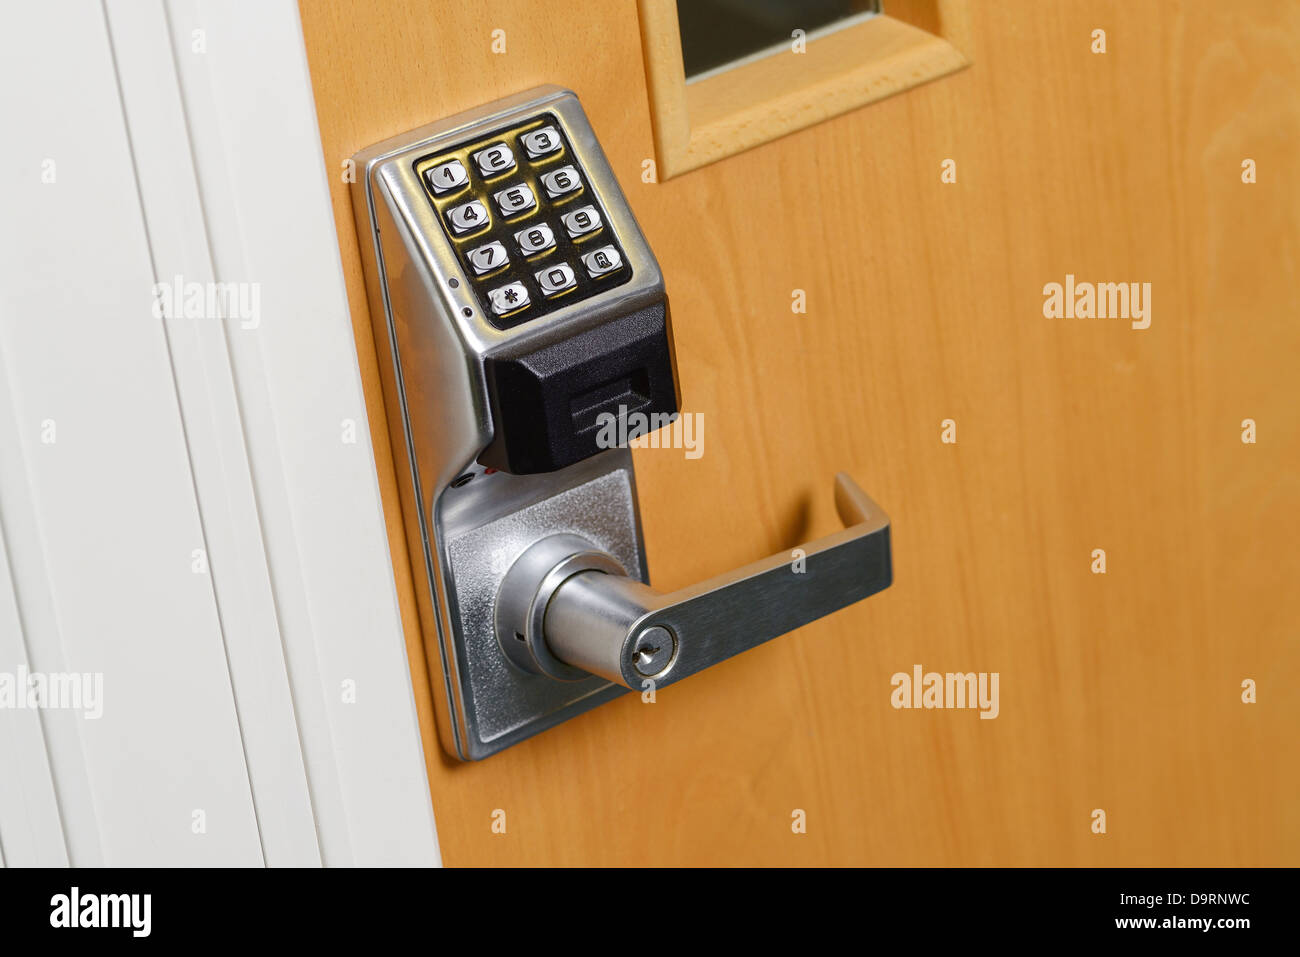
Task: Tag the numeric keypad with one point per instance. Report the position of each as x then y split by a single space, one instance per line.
520 211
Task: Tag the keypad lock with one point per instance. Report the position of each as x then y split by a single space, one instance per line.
517 310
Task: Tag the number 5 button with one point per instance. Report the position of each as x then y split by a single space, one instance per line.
601 261
582 221
561 181
468 216
556 279
514 199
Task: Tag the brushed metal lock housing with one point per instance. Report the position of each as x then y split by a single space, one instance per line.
517 305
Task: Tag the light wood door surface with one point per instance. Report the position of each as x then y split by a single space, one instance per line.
1119 691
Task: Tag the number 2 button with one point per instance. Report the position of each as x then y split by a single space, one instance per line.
497 158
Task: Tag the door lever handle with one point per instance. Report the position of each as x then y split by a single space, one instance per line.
567 610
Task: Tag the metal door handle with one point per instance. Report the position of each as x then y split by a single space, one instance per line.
567 610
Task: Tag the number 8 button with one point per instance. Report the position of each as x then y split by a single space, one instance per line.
535 239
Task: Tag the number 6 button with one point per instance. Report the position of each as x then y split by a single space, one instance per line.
468 216
514 199
535 239
561 181
556 279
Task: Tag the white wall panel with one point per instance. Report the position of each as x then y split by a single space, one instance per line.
184 144
112 495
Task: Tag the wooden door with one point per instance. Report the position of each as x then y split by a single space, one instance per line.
1120 691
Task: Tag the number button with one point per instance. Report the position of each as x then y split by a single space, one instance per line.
447 176
601 261
488 257
582 221
541 142
556 279
534 239
561 181
496 158
468 216
514 199
508 298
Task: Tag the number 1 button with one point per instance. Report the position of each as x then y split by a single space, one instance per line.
447 176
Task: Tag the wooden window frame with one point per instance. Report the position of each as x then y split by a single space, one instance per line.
732 110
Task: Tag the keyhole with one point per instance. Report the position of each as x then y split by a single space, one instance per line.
646 654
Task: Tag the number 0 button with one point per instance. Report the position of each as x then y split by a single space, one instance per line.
447 176
508 298
582 221
556 279
561 181
496 158
468 216
601 261
535 239
487 257
541 142
514 199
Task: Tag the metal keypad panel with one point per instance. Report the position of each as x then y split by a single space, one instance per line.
526 225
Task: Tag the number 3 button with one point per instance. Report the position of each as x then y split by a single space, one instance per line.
540 142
